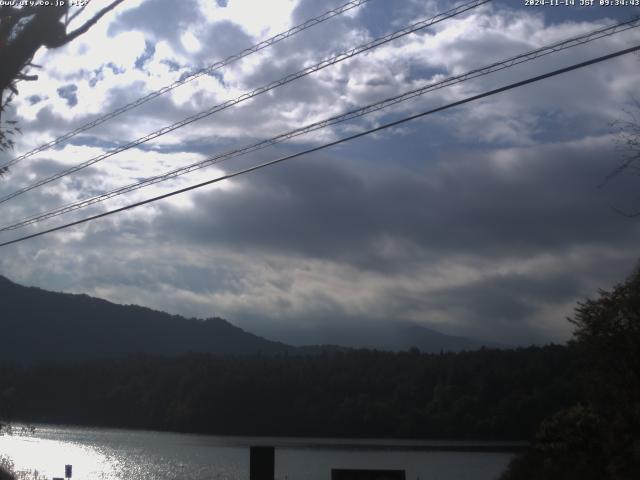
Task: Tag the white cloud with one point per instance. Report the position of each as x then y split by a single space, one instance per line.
260 19
131 259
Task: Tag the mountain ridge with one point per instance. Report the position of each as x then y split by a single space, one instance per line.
69 326
42 325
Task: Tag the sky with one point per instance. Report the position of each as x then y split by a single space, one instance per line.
488 220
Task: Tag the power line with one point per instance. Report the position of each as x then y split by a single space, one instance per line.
505 88
258 91
494 67
192 76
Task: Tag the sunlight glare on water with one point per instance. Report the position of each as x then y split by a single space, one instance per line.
99 454
49 457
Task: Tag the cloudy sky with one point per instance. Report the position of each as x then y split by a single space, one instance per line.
488 220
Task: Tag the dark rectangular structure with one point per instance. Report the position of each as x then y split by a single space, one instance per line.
262 463
349 474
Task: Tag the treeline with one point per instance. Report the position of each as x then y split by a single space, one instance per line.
486 394
598 438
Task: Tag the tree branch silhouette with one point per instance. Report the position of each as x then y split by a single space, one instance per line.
23 31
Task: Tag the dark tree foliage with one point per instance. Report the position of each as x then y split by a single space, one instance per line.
600 438
628 140
486 394
608 333
627 132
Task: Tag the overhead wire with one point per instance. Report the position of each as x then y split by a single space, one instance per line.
356 113
191 76
258 91
254 168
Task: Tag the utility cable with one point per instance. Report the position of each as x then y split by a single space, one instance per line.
192 76
473 98
494 67
258 91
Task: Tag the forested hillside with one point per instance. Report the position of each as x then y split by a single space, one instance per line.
488 394
44 326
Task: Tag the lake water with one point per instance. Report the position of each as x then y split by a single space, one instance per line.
98 454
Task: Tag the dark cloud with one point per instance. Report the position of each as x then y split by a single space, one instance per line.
484 221
68 92
530 201
377 17
220 40
149 51
153 18
33 99
493 210
174 67
525 308
503 299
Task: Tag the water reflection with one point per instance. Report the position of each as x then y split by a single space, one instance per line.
33 457
98 454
